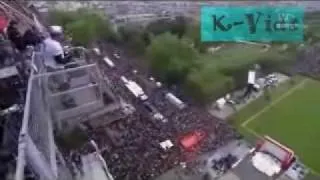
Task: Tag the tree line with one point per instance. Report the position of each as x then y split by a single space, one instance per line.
175 52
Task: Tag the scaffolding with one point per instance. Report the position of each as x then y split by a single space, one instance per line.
79 92
36 143
54 100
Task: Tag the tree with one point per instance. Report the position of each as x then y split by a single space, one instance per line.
135 38
158 27
85 26
193 33
171 58
207 84
138 44
176 26
179 26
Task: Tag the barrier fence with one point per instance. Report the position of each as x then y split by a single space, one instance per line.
36 148
48 105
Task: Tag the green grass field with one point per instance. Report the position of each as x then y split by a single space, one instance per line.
292 117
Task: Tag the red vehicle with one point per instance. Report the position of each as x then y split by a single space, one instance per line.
192 140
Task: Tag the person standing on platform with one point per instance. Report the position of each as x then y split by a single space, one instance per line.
15 36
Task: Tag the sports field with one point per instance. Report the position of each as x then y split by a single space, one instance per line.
292 117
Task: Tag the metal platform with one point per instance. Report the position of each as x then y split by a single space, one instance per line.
93 168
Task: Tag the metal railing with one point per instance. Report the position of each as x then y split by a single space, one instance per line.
45 109
36 143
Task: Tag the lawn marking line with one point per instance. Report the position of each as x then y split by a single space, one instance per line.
312 170
283 96
250 130
253 132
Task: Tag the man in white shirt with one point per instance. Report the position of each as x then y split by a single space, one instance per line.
53 50
54 56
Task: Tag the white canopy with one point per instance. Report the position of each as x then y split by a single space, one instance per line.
167 144
266 164
56 29
221 102
251 77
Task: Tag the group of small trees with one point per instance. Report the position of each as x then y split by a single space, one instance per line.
204 76
171 58
174 52
84 26
138 38
182 60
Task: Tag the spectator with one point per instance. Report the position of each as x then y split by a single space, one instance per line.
30 37
53 50
15 36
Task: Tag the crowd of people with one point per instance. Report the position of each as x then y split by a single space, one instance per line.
13 87
137 155
21 40
52 43
131 145
17 40
224 164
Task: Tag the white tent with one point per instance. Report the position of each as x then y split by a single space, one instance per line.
251 77
266 164
167 144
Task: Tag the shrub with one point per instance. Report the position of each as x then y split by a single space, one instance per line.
208 84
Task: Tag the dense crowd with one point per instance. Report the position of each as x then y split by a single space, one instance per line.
133 150
224 164
131 145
